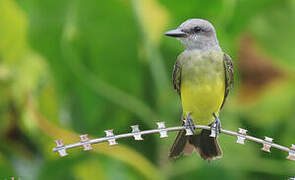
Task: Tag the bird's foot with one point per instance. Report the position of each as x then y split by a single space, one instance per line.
189 123
215 126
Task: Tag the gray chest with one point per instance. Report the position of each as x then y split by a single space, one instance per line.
201 66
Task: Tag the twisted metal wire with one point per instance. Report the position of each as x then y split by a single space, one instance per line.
85 142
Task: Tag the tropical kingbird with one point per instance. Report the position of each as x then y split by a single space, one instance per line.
202 76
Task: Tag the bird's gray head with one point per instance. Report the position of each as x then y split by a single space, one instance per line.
196 34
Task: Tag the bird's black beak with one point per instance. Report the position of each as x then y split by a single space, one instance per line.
175 33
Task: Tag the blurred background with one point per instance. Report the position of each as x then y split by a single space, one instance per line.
81 67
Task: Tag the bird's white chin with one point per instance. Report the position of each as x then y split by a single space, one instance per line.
199 43
190 43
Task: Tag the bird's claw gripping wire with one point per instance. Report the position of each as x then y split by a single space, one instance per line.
216 125
189 123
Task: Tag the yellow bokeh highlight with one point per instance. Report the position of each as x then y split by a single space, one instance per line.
153 18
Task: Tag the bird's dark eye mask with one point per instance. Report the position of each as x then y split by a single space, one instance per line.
196 29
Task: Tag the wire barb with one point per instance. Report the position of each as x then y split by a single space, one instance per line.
62 150
111 138
136 133
267 144
291 155
84 139
241 136
213 130
163 131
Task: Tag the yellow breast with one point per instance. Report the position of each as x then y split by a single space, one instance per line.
202 85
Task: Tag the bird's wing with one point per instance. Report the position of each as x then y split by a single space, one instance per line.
176 77
229 76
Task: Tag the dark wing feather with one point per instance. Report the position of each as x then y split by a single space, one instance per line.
229 76
176 77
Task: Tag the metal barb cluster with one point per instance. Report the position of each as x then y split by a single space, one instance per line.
111 136
163 131
84 139
136 133
267 144
61 148
291 155
241 135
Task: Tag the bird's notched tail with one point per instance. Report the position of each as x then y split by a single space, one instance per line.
207 147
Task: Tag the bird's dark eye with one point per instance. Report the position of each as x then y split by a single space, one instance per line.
197 29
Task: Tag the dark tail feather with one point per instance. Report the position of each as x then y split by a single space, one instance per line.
206 146
178 145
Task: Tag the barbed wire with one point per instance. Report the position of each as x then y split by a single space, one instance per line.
85 142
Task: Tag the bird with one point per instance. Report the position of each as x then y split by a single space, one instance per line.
202 76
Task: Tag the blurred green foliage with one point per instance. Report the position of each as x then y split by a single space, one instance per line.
76 67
